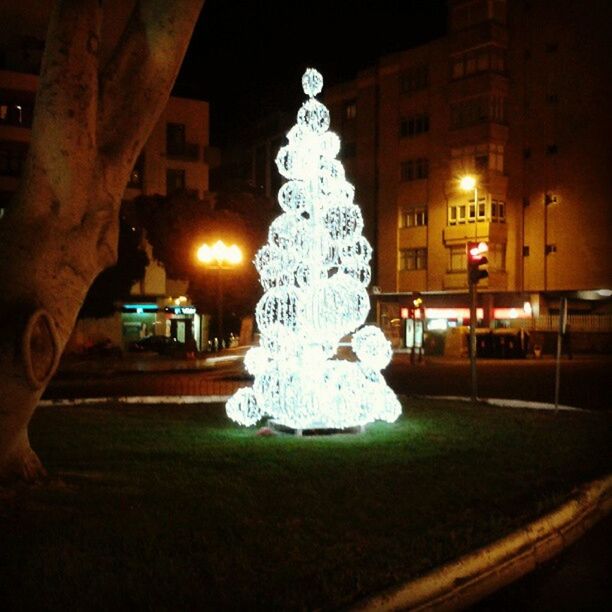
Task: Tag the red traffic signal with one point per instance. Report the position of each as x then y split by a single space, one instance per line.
475 259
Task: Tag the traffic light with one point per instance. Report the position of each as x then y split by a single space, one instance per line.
476 259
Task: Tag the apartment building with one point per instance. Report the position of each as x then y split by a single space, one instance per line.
515 96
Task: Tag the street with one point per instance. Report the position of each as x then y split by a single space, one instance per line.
584 379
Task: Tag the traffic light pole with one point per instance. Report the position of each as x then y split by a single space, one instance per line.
473 340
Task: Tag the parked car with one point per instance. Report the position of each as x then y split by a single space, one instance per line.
163 345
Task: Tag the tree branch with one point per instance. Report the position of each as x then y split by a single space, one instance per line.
136 83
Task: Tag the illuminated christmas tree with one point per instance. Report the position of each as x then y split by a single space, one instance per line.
314 270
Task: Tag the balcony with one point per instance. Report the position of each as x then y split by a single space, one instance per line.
485 230
477 84
487 131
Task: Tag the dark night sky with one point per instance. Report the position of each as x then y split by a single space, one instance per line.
247 57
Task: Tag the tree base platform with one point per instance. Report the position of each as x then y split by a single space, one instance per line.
314 431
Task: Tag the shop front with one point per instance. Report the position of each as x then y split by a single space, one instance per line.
430 322
141 320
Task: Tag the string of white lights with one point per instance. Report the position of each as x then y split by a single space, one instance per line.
314 270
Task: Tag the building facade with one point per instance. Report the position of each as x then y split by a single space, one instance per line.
515 96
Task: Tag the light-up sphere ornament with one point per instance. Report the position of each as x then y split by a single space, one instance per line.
314 270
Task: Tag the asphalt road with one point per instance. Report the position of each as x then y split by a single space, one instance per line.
585 381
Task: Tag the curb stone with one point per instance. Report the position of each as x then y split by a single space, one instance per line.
507 403
470 578
137 399
212 399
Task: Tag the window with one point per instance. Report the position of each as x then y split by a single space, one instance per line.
175 138
486 59
350 110
413 126
457 260
478 110
175 180
526 251
415 169
496 255
413 217
498 211
550 248
552 149
415 79
474 212
413 259
459 213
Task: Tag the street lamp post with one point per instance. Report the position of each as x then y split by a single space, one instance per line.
219 257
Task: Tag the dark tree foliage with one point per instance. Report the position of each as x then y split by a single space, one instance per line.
114 284
177 225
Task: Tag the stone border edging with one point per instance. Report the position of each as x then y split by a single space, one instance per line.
137 399
212 399
472 577
507 403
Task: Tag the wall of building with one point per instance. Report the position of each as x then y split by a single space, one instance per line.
515 95
558 144
159 158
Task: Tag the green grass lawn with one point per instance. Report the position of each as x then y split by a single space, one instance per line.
176 508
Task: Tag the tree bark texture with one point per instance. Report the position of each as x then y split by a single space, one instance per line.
61 230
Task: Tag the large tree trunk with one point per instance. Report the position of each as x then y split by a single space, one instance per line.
62 227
